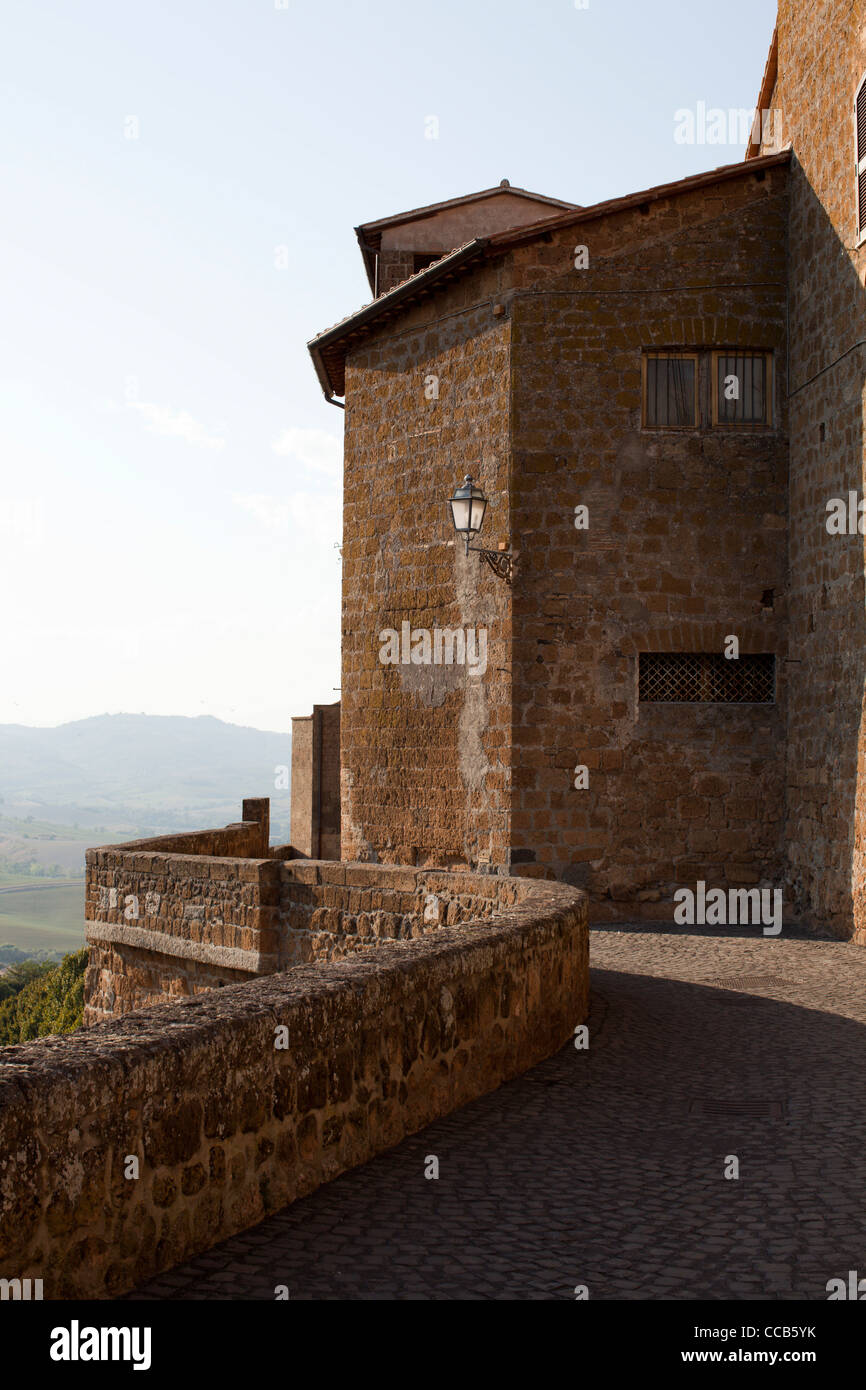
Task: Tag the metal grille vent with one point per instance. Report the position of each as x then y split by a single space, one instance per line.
861 157
738 1109
706 677
755 982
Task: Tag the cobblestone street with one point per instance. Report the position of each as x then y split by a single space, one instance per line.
606 1168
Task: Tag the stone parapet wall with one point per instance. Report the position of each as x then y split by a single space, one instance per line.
227 1126
174 915
164 926
172 918
245 839
329 911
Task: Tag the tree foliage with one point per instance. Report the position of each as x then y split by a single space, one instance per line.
19 975
51 1000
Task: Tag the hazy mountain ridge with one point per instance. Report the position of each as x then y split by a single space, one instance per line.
156 772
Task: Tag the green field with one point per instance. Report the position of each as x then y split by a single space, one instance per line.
46 915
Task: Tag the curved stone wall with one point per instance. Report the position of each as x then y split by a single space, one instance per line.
135 1144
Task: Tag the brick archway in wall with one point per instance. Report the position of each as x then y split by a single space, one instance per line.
754 636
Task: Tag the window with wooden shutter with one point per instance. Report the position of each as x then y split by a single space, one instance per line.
860 121
670 390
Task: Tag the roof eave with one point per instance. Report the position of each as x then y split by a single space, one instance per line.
442 269
418 214
768 83
368 254
386 304
647 195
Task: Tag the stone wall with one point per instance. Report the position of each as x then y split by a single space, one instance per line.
821 62
329 781
302 830
537 372
247 839
316 783
227 1125
174 915
426 746
165 926
328 912
686 536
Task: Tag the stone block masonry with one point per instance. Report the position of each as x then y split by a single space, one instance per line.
328 912
316 783
528 374
167 917
162 926
820 63
132 1146
426 760
687 530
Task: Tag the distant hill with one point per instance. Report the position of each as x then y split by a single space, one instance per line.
141 773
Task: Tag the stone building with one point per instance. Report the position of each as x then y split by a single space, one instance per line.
315 825
660 396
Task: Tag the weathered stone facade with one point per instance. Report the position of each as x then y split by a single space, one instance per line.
236 1102
163 926
537 374
819 63
687 531
315 829
426 755
535 339
178 914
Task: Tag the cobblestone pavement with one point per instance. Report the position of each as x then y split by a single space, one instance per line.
606 1168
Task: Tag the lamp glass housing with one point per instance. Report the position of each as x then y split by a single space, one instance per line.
468 506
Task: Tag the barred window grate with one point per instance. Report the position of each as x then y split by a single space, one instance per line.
706 677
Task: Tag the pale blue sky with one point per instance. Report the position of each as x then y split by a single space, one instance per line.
169 471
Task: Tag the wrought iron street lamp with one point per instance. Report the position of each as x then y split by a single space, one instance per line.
468 507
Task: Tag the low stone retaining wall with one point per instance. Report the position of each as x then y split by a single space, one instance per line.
162 925
164 921
133 1145
172 916
329 911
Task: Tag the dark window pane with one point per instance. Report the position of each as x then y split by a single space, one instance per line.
670 391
